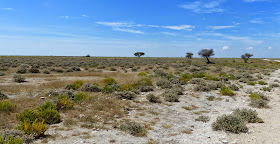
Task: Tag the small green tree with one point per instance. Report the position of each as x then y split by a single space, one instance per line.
139 54
189 55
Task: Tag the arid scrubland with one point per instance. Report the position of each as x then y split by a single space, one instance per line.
134 100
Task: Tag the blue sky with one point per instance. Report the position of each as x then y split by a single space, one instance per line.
160 28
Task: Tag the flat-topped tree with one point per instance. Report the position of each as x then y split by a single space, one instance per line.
206 53
246 56
139 54
189 55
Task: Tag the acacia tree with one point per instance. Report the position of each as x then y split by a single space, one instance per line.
206 53
139 54
246 56
189 55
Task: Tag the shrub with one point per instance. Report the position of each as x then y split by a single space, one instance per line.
171 97
164 83
125 87
91 88
203 118
134 129
38 128
50 116
160 73
126 95
234 87
226 91
2 74
196 81
259 103
109 81
28 115
34 70
80 97
186 77
108 89
145 88
248 115
46 72
262 83
46 105
273 85
76 85
254 96
230 123
10 140
153 99
19 78
145 82
251 83
142 74
64 104
22 70
3 95
267 89
6 106
211 98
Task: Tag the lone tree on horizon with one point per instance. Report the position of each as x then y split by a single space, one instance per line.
206 53
246 56
139 54
189 55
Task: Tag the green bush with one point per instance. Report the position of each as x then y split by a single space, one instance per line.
226 91
7 106
142 74
10 140
76 85
234 87
109 81
251 83
108 89
269 88
230 123
262 83
80 97
145 82
153 99
28 115
186 77
46 105
248 115
50 116
126 95
126 87
134 129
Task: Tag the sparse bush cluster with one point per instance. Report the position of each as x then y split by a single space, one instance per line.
258 100
134 129
236 122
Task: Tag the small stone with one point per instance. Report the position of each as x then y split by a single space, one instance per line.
224 141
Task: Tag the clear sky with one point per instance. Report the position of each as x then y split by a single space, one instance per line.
160 28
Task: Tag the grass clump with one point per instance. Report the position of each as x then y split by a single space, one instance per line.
7 106
153 99
227 91
134 129
91 88
211 98
230 123
64 103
